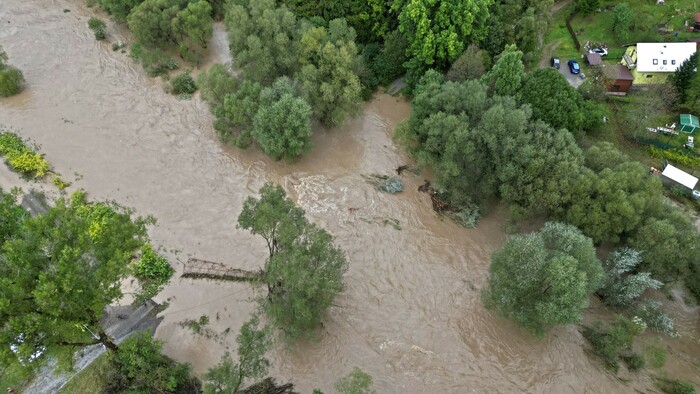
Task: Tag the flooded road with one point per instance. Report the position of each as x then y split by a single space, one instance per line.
411 315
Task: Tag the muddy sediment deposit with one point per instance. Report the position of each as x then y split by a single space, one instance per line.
411 315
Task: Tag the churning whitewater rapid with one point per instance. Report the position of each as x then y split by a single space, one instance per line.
411 315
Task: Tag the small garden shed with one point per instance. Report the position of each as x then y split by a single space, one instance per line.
689 123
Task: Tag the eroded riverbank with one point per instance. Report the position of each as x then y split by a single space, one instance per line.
411 315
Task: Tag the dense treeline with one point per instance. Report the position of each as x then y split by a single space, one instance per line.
337 53
490 134
160 25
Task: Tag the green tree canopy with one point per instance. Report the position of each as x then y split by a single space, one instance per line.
622 20
543 279
612 203
470 65
139 367
234 118
60 270
357 382
282 125
305 270
215 83
684 75
623 283
507 73
151 21
669 245
11 78
263 39
227 377
588 6
119 9
553 99
481 147
11 216
520 22
327 79
193 27
438 31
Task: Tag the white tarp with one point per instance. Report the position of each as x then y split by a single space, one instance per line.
680 176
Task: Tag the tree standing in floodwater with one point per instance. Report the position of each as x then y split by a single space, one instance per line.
304 271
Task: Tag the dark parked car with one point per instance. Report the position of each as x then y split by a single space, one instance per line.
600 51
555 62
573 66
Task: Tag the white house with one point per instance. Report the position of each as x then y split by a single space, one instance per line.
663 57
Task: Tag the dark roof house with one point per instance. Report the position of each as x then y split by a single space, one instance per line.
619 78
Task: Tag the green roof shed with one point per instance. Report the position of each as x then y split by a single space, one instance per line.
689 123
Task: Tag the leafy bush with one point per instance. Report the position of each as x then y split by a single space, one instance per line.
215 83
656 357
139 367
608 344
676 386
98 27
674 155
20 157
650 312
622 288
153 272
60 183
357 382
634 362
154 61
11 81
183 83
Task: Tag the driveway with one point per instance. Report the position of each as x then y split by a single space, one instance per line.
573 79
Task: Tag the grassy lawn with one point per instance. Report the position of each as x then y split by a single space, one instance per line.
90 379
598 26
15 376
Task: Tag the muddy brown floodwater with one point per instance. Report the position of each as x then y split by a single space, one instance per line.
411 315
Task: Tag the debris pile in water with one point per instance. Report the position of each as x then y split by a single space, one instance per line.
385 183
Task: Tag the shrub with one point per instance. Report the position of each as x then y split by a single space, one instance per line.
183 83
675 155
608 344
139 367
11 81
98 27
60 183
154 61
676 386
20 157
655 356
634 362
153 271
622 287
654 318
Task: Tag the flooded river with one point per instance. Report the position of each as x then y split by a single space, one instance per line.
411 315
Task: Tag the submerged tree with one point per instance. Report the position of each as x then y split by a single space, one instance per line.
11 78
304 270
227 377
543 279
59 271
622 286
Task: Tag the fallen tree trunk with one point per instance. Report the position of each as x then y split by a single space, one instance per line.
268 386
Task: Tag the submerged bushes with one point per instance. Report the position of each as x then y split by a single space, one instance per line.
20 157
11 78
